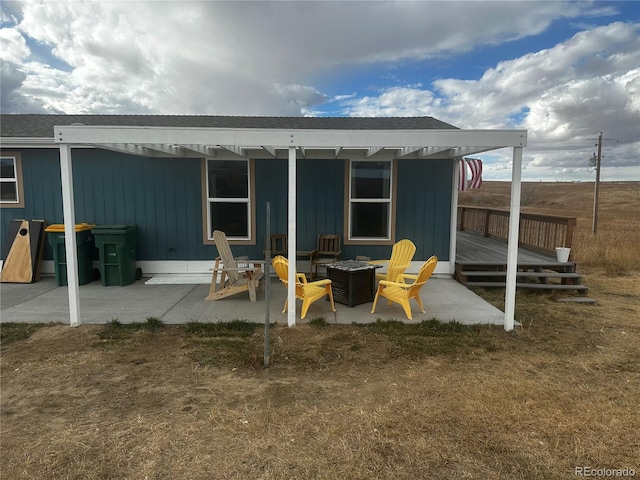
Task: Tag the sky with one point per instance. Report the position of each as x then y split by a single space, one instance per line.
564 71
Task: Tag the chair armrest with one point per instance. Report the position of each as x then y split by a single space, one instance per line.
302 277
377 262
238 269
408 275
387 283
324 281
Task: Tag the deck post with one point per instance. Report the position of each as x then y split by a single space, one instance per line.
512 247
69 215
291 288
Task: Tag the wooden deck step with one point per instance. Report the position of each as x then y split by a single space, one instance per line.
533 286
490 273
577 300
497 264
482 262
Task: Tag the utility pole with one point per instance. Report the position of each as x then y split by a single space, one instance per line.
597 189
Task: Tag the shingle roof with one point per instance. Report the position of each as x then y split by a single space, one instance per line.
41 126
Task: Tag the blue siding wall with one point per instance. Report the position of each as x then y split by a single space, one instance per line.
320 200
162 196
320 192
42 191
423 203
422 208
271 186
423 212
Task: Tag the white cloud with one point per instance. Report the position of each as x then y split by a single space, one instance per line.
565 96
267 58
228 57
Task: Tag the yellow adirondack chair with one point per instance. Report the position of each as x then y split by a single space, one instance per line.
235 277
401 293
401 255
308 292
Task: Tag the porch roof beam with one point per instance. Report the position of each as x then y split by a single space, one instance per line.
463 151
132 149
411 151
372 151
171 150
235 149
205 150
270 150
237 139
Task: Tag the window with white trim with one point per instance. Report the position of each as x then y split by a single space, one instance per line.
229 192
11 181
370 200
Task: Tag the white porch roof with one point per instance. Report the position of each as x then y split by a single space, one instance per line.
291 144
275 143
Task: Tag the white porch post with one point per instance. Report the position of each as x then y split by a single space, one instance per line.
68 207
454 217
512 250
291 293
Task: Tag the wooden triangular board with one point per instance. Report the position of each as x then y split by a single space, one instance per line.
24 257
17 266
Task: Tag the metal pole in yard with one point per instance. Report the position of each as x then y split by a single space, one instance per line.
267 281
597 189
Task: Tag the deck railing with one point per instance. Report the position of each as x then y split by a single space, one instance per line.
538 232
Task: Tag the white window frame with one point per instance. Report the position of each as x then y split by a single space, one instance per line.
249 201
390 201
17 179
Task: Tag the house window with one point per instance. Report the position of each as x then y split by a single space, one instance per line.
11 195
370 200
229 205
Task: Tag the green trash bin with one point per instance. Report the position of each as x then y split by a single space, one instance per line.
117 247
85 248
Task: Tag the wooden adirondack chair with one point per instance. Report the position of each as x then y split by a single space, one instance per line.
308 292
401 255
278 244
235 277
401 292
328 251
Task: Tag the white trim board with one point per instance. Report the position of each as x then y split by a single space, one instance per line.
180 279
158 267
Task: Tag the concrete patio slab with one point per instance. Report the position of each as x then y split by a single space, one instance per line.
44 301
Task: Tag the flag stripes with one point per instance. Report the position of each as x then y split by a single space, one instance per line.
475 168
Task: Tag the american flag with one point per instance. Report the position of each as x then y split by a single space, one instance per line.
475 167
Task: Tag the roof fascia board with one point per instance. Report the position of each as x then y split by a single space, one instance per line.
455 152
28 142
244 138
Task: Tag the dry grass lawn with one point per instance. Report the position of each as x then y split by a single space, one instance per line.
384 401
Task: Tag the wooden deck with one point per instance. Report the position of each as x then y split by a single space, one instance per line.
472 248
482 262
